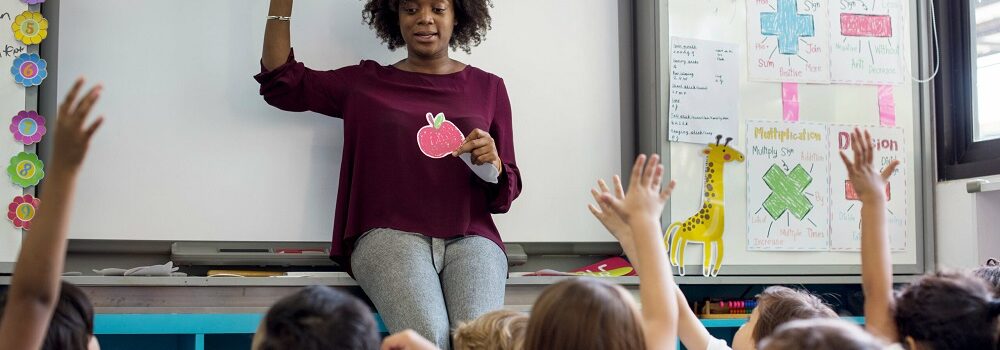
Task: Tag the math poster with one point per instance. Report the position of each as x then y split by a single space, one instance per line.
788 186
704 90
866 41
788 41
846 206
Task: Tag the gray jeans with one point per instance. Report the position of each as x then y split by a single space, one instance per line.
429 284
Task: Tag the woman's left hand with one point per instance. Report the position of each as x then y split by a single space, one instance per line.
482 148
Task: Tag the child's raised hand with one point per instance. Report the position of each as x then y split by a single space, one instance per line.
644 199
72 131
868 183
605 214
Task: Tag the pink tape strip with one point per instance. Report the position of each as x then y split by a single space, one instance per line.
886 106
790 102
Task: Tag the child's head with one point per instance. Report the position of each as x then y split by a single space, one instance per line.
990 272
947 310
497 330
820 334
72 325
584 314
318 317
775 306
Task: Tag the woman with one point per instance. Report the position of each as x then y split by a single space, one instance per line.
413 223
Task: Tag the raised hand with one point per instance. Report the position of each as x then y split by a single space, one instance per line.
610 218
645 197
868 183
73 133
605 214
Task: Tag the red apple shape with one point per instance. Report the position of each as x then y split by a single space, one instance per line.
440 137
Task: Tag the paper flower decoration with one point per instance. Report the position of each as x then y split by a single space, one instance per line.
29 69
28 127
22 210
26 169
33 2
30 28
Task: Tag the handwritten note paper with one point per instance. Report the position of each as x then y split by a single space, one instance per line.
866 38
704 90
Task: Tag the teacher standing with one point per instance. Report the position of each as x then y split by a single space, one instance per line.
413 223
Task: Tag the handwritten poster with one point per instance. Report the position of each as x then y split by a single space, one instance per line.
11 102
788 186
788 41
704 90
846 206
866 41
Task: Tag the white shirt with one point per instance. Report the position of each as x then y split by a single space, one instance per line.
717 344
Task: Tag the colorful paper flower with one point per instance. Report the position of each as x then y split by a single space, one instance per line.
30 28
26 169
28 127
29 69
33 2
22 210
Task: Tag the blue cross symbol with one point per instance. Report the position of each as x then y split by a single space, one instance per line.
788 25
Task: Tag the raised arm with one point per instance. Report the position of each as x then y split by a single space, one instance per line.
691 331
34 289
641 209
277 35
876 263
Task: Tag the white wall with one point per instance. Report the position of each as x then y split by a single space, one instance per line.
960 235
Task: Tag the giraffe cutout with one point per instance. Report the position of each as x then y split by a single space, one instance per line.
708 224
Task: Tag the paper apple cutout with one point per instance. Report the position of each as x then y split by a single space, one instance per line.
440 137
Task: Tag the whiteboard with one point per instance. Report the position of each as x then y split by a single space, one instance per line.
12 101
190 151
725 20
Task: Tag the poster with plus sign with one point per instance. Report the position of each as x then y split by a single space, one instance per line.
788 41
788 186
867 41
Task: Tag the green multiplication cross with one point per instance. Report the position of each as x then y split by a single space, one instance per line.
787 192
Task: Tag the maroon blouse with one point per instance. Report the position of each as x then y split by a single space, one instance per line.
385 179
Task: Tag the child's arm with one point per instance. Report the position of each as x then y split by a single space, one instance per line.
691 331
34 289
876 263
641 209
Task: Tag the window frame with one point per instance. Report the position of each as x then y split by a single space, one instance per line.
959 155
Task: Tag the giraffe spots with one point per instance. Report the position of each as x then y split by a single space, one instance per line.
710 164
709 187
706 194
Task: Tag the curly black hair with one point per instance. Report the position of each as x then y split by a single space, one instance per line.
472 18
